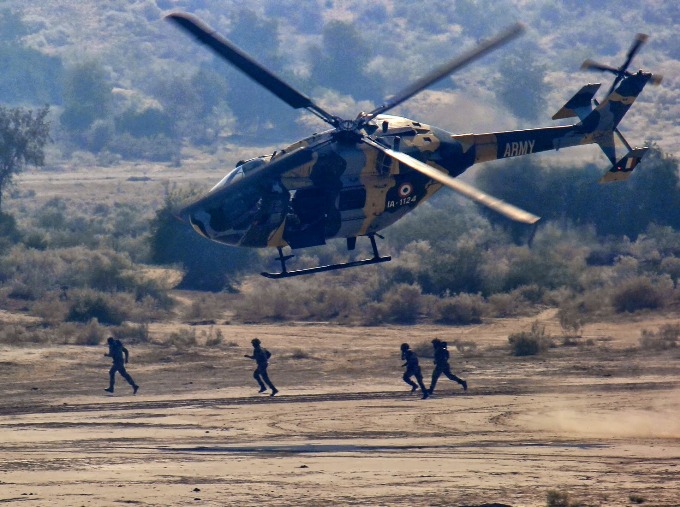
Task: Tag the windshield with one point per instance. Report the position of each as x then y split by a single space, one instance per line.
234 175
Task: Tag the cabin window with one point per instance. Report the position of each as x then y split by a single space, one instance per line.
352 198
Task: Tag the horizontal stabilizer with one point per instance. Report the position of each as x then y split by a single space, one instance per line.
623 168
580 104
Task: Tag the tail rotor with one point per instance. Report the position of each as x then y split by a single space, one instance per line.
622 71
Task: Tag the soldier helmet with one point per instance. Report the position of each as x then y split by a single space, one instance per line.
436 342
255 341
109 340
443 345
404 347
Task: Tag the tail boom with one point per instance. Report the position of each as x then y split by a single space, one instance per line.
597 126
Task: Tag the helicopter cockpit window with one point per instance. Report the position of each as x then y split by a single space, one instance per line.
234 175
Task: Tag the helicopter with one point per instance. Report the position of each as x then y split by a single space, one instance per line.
363 174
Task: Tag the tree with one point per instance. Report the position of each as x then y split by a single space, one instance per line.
521 85
23 135
87 96
341 64
259 112
28 76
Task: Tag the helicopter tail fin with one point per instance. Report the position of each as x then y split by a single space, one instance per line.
600 124
622 169
581 104
608 114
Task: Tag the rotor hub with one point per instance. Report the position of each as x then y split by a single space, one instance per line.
347 125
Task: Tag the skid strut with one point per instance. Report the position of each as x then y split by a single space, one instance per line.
376 259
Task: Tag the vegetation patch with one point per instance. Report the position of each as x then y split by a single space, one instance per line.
529 343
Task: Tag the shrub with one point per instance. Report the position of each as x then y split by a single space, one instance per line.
19 335
570 317
214 338
506 305
637 294
403 303
464 346
50 309
90 334
671 267
529 343
664 339
259 305
462 309
557 499
374 314
183 338
89 305
561 499
23 291
332 303
300 354
423 350
204 308
135 333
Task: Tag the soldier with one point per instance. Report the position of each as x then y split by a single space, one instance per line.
441 365
412 369
116 351
261 357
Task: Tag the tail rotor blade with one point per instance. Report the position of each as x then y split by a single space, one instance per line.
593 65
639 40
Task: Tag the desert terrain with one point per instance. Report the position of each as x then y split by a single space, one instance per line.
598 421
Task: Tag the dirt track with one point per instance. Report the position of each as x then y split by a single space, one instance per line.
599 422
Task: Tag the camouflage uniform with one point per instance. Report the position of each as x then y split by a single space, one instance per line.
441 365
412 369
116 352
261 357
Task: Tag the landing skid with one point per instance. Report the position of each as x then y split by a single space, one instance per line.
376 259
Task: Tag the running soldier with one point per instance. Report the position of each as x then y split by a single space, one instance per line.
441 365
261 357
412 369
116 352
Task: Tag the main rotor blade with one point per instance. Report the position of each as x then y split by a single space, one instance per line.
498 205
446 69
593 65
246 64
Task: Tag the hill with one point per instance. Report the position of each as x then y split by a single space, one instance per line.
389 43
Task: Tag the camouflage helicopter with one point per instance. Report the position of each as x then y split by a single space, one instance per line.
362 175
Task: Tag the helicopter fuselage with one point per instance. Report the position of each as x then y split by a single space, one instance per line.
341 186
347 189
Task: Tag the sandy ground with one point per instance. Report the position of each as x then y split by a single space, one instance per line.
599 422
